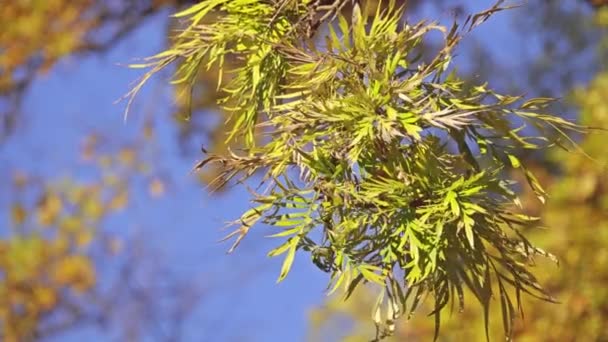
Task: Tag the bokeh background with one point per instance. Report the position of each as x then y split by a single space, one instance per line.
107 235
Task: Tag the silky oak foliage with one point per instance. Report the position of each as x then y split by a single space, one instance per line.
379 162
576 214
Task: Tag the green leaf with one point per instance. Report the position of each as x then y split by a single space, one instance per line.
289 259
535 185
454 206
514 161
286 232
369 273
468 229
538 103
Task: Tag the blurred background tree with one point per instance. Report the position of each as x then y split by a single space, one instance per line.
63 268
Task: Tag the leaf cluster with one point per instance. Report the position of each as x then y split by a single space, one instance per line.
381 163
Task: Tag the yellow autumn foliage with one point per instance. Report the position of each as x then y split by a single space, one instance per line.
46 257
48 209
36 274
75 271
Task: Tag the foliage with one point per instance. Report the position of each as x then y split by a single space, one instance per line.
40 33
46 261
93 27
576 214
86 27
54 251
196 110
380 163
